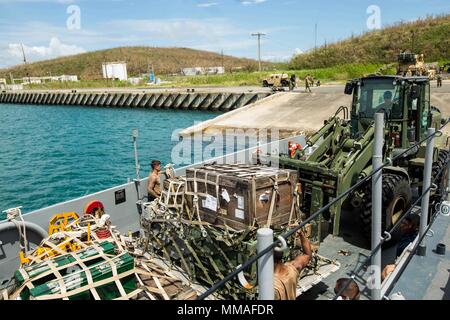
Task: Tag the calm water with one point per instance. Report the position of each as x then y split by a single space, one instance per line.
49 154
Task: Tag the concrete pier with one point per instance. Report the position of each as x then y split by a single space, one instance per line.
216 101
292 113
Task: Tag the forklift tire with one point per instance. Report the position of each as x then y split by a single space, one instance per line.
396 195
439 178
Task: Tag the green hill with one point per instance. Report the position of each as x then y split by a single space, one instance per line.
88 66
431 37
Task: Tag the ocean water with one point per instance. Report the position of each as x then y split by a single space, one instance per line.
50 154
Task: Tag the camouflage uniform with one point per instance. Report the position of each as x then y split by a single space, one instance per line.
439 80
292 83
307 88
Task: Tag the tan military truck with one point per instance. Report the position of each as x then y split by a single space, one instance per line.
411 64
431 73
279 80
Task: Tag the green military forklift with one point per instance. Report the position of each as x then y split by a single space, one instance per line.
339 155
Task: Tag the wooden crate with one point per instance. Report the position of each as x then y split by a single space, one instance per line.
241 195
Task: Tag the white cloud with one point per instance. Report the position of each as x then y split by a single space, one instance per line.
251 2
298 51
281 56
38 1
227 44
55 49
175 29
207 4
37 32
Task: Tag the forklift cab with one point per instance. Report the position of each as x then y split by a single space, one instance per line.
419 110
405 101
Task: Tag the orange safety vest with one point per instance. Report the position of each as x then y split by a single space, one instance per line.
293 147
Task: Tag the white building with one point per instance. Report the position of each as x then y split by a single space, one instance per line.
134 81
215 70
33 80
11 87
39 80
115 70
197 71
192 71
66 78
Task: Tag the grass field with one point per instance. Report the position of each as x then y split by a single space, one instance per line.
332 74
84 84
431 36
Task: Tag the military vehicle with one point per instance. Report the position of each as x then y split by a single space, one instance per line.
432 74
280 80
340 153
411 64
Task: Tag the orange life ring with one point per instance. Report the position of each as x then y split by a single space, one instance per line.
95 208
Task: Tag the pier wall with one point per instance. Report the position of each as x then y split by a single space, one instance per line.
172 100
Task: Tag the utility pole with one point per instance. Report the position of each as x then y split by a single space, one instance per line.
222 61
106 73
315 38
259 35
25 62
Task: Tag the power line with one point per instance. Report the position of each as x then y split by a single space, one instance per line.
259 35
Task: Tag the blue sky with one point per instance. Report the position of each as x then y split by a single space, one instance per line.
41 25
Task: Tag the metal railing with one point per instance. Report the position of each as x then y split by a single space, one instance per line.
387 237
293 231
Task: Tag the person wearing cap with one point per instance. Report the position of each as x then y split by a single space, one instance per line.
286 274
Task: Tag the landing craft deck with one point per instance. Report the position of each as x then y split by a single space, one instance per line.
435 268
347 249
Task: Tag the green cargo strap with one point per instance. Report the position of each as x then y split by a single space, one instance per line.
200 264
183 261
88 275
